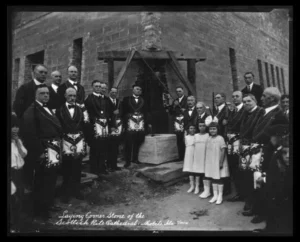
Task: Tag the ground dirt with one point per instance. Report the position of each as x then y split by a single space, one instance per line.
127 197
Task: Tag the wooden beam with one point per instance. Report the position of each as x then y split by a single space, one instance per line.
110 66
191 70
122 55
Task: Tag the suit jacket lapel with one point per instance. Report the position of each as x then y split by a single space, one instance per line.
51 118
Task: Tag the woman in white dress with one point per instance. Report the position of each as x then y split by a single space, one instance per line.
216 165
189 155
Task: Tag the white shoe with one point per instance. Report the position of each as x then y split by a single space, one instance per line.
206 193
191 189
197 185
196 190
192 184
215 197
220 194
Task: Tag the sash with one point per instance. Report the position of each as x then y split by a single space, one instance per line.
136 122
256 157
178 124
74 144
244 157
52 152
233 144
118 131
101 128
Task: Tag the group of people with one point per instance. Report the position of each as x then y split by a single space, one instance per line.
53 124
248 146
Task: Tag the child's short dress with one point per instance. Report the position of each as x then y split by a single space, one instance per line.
199 153
213 149
189 153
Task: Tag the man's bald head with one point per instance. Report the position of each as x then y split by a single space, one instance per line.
70 95
56 78
40 73
73 72
237 98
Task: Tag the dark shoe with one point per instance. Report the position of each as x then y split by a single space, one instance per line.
248 213
226 192
55 208
127 164
247 207
236 198
83 175
257 219
136 162
260 230
65 199
79 196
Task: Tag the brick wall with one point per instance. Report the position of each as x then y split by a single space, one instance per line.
253 36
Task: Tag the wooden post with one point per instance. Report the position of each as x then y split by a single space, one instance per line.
110 67
191 69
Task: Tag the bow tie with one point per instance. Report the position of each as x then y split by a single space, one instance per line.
190 109
101 96
75 83
45 105
71 106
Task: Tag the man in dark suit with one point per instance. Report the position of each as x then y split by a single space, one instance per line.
116 130
26 93
25 96
253 114
73 122
202 114
136 120
54 102
178 107
285 104
252 88
273 116
233 133
42 138
100 115
190 114
221 111
72 82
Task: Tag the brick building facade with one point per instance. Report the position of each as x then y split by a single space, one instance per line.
233 43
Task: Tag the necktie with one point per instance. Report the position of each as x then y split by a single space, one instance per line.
71 106
114 102
249 89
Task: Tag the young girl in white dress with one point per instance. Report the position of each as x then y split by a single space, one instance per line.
199 156
216 165
189 140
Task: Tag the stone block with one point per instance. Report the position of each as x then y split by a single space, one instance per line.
165 172
158 149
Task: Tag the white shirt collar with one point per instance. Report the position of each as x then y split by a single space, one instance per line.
181 98
221 107
37 82
113 99
54 87
191 108
72 82
269 109
251 85
135 96
69 104
39 103
253 109
239 106
97 94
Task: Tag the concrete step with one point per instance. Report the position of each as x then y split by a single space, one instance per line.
164 173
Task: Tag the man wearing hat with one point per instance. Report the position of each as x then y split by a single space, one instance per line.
100 116
135 119
277 194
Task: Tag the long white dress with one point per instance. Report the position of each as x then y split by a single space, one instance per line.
189 153
213 149
199 153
